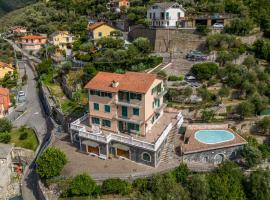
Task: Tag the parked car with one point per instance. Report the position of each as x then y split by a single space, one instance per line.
21 94
218 25
196 56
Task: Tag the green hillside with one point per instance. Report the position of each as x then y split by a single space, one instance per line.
10 5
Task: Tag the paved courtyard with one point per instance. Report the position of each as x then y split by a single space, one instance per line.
79 162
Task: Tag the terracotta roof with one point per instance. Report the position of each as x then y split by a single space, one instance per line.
95 25
4 98
130 81
5 65
194 145
33 37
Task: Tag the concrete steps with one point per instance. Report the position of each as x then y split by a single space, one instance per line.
169 146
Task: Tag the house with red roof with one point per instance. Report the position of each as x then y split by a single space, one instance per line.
33 42
98 30
126 118
4 101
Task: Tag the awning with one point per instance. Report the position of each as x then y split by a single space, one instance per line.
121 146
90 143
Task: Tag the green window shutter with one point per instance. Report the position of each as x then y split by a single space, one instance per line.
106 123
96 106
136 111
95 120
107 108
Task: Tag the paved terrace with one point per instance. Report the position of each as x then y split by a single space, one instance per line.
152 135
80 162
195 146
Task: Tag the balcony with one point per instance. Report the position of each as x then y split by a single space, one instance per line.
131 103
160 108
134 120
160 94
151 141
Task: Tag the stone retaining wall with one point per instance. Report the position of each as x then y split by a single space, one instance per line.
166 40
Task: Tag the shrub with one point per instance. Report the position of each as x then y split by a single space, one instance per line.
175 78
5 137
82 185
204 71
5 125
51 163
252 155
23 136
202 29
116 186
141 184
181 173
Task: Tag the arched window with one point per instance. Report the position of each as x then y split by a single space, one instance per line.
146 157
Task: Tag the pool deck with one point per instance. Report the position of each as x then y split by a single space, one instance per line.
192 145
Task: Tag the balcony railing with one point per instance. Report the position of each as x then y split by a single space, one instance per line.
107 138
128 119
131 103
160 93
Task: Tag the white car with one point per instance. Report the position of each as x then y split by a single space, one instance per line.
218 25
21 93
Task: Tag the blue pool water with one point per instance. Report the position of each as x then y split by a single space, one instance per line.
213 136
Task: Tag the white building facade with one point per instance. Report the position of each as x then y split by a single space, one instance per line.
166 14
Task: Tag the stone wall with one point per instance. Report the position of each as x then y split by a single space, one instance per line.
209 156
165 40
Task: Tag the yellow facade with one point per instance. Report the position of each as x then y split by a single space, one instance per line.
102 31
62 39
5 69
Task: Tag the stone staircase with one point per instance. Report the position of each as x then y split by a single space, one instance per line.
167 154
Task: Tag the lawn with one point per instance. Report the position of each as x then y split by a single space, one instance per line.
24 137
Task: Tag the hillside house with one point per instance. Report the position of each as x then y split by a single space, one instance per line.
19 30
166 14
4 102
33 42
63 40
5 68
98 30
126 118
117 5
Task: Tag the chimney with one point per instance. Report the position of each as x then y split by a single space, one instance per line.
115 84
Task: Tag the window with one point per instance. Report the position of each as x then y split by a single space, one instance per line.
146 157
162 15
99 34
150 15
136 96
107 108
95 120
135 127
106 123
96 106
178 15
136 111
102 94
167 15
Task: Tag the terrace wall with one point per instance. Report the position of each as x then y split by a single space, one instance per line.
209 155
166 40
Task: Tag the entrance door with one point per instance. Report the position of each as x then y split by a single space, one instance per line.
124 111
123 153
94 150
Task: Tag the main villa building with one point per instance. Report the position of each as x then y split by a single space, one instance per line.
127 118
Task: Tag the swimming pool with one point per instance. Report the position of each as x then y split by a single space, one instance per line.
213 136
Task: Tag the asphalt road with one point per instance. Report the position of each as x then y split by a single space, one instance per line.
31 115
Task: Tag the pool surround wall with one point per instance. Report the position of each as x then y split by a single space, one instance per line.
228 152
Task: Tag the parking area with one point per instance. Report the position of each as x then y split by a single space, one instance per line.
180 64
99 169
